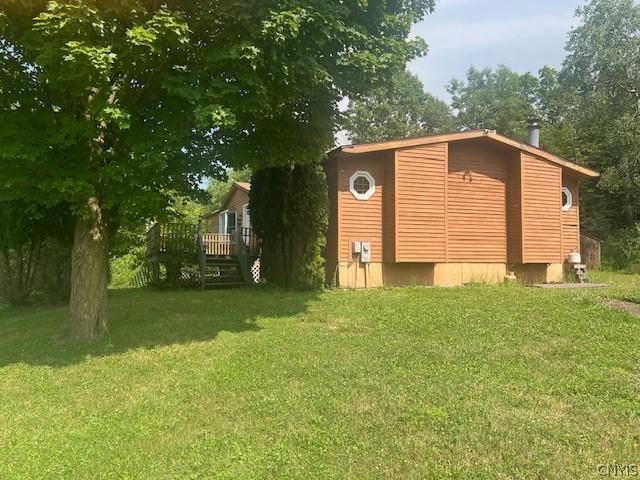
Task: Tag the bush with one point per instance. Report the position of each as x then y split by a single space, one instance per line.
622 250
289 212
126 269
35 253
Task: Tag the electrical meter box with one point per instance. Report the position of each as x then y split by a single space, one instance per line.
365 254
357 247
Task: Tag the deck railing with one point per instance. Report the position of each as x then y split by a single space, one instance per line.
176 238
220 244
250 241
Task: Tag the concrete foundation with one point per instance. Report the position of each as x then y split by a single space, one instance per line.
531 273
375 275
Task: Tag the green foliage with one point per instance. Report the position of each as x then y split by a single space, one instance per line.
602 71
500 99
289 211
400 109
622 250
135 103
125 268
52 278
31 245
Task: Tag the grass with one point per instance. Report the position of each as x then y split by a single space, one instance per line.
476 382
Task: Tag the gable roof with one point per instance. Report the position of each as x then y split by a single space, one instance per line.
245 186
471 134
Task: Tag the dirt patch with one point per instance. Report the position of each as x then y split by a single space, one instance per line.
632 308
570 285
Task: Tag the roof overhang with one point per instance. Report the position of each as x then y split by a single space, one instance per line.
469 135
236 185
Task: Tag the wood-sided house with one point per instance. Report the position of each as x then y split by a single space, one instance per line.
450 209
233 214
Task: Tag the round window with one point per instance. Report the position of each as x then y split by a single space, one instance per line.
362 185
567 199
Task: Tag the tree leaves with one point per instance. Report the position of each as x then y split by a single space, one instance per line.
132 100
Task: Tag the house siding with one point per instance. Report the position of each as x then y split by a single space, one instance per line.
360 220
514 209
389 227
476 216
541 210
420 181
571 219
450 213
238 198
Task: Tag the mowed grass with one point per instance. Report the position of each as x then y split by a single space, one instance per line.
495 382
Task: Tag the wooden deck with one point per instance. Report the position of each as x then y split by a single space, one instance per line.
187 244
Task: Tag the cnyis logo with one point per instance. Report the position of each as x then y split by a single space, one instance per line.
617 470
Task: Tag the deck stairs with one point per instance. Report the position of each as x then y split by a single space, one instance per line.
222 272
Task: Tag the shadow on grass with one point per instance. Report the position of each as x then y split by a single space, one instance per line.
142 318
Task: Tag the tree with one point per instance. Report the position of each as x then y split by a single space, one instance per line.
602 72
136 100
500 99
289 211
399 110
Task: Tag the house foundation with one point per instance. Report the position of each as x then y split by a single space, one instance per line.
378 274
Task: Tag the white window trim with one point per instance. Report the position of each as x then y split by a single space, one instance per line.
372 185
246 215
567 206
225 223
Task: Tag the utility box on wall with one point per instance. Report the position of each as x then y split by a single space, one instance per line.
365 254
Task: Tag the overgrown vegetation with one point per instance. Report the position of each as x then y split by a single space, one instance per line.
289 211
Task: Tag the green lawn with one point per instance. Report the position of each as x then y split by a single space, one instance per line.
476 382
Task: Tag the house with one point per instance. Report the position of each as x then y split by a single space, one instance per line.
233 213
450 209
466 207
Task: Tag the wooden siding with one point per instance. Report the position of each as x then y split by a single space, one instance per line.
389 209
237 199
360 220
476 217
514 210
331 249
571 219
420 203
541 210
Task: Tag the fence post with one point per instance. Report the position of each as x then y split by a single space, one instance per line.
202 257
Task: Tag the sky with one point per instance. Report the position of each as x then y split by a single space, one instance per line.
524 35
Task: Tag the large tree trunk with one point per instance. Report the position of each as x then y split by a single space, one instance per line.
89 259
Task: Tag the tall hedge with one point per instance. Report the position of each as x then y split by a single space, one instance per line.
289 213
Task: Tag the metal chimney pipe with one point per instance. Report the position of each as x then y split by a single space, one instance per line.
534 133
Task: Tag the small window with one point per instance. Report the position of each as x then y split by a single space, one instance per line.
362 185
567 199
